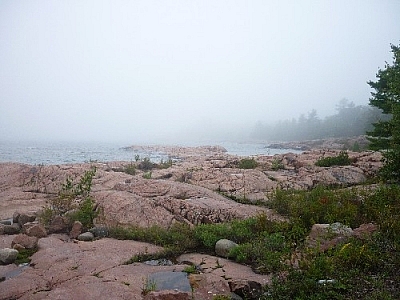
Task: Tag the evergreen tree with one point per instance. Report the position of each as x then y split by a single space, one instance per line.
386 133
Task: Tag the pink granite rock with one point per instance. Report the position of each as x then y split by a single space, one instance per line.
28 242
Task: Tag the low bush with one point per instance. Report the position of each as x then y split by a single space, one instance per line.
277 165
247 163
358 269
130 169
73 201
146 164
342 159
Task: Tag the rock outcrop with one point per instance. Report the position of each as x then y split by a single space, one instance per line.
196 189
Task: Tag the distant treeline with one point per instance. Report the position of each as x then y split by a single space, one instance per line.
349 120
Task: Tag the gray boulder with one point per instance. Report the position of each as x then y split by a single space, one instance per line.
224 246
86 236
8 256
12 229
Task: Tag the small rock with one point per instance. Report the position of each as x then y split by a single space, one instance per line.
86 236
76 230
12 229
224 246
8 256
28 242
18 247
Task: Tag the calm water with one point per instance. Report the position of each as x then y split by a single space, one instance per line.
62 153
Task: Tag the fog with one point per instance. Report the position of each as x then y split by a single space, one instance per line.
176 71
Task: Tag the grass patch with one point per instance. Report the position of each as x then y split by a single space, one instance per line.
24 256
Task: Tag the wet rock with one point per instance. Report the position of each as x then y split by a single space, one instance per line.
177 281
76 230
5 222
8 256
86 237
224 246
28 242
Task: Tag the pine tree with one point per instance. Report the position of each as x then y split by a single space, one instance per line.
386 133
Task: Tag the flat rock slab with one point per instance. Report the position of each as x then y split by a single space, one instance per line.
75 270
63 269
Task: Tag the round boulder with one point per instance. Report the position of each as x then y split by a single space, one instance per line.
8 256
86 237
224 246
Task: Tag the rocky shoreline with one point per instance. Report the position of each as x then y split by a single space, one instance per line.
199 187
350 143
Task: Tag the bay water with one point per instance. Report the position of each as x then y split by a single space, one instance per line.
49 153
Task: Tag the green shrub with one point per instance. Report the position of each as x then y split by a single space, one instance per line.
147 175
277 165
342 159
146 164
190 269
320 205
130 169
247 163
73 201
165 164
360 269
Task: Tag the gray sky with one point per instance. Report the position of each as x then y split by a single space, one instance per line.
149 71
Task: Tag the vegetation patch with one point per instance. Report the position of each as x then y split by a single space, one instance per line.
24 256
73 201
277 165
357 269
247 163
342 159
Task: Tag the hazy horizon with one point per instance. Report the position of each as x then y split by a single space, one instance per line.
176 71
